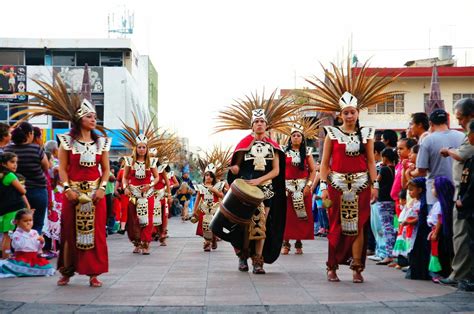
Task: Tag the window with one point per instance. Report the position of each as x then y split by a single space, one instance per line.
111 59
34 57
393 105
12 57
98 100
92 58
65 58
458 96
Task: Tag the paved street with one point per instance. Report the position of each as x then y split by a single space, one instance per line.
181 277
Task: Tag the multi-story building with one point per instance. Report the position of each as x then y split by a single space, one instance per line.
414 84
122 80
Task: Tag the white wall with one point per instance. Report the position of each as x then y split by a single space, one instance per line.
414 89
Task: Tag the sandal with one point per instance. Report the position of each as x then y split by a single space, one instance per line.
332 276
94 282
243 266
299 251
63 281
357 277
285 249
136 250
357 268
331 273
207 246
145 248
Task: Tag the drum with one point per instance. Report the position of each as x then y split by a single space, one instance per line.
237 208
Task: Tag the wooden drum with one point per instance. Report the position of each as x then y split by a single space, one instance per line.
237 208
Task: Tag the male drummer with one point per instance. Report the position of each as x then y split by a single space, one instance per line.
260 161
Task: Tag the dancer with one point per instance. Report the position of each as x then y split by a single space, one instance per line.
300 176
261 162
348 162
84 172
138 185
208 198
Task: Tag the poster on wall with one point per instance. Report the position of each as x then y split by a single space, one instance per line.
12 81
72 77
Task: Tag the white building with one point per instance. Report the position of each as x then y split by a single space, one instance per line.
122 80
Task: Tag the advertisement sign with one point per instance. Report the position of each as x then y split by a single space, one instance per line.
12 81
72 77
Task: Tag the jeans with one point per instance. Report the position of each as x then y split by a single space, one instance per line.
376 226
323 218
38 199
386 212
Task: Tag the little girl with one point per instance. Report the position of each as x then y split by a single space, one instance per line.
419 256
12 197
408 219
28 245
440 221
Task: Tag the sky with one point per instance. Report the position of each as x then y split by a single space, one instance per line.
210 52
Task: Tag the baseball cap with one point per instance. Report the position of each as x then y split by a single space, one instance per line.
439 116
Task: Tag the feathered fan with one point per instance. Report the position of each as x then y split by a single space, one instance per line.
305 125
368 89
238 116
130 133
219 157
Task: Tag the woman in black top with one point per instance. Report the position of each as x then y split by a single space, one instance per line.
385 205
32 162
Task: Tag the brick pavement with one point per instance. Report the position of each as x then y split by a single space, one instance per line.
181 277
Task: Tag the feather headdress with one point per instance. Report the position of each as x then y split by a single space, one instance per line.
167 147
240 115
134 135
57 102
216 161
351 87
305 125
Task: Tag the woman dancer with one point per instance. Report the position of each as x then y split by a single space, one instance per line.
348 163
299 175
84 172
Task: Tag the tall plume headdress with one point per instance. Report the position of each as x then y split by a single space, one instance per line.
216 161
241 114
305 125
136 134
57 102
352 87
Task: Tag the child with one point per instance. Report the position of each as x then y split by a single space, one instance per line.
408 220
385 205
27 244
419 256
440 221
12 196
403 148
184 195
321 215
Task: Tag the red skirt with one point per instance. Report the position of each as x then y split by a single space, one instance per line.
340 246
136 232
30 258
297 229
85 262
199 231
